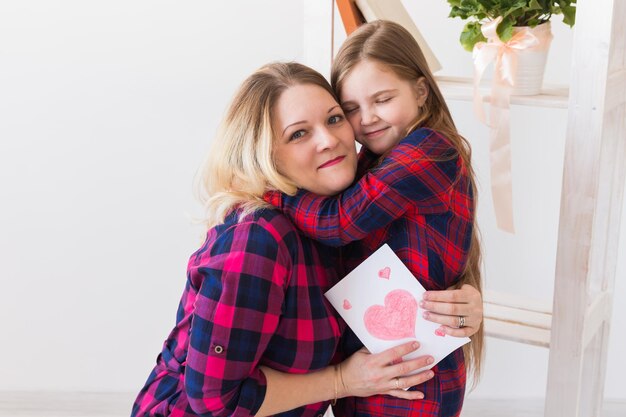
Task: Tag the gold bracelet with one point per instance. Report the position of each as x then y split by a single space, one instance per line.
342 383
335 377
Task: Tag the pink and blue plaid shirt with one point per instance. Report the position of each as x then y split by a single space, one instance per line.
419 201
253 296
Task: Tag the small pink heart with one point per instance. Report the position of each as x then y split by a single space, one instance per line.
440 332
346 305
395 320
385 272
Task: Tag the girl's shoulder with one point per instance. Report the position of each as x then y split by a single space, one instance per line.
427 135
431 143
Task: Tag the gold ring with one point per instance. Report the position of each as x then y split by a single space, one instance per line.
397 383
461 322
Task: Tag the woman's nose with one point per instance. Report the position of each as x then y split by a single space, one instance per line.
326 140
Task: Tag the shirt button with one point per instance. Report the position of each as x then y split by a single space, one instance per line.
218 349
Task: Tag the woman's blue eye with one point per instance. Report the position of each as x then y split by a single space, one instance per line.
335 119
297 135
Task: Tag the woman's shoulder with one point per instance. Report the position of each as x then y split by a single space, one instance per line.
265 233
262 227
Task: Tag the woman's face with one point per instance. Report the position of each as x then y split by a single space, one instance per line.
380 106
314 144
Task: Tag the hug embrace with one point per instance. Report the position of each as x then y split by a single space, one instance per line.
291 208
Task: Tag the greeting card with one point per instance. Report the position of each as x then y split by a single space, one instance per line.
380 302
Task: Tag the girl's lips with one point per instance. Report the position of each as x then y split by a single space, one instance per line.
375 133
332 162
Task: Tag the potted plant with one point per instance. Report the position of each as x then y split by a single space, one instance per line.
524 25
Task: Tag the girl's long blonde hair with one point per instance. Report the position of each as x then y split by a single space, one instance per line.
393 46
240 166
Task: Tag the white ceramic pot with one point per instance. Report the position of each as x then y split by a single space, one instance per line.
531 62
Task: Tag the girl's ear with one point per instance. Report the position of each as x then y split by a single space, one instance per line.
421 91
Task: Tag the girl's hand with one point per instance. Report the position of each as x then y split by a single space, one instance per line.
446 308
364 374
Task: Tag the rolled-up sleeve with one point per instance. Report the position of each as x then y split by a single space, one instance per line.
237 311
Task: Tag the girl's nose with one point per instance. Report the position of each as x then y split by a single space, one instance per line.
368 116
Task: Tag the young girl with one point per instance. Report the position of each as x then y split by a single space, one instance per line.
417 193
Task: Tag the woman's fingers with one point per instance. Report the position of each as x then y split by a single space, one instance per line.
406 367
395 354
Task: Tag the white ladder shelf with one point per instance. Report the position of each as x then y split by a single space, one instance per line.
576 327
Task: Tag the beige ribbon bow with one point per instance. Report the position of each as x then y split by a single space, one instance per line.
505 56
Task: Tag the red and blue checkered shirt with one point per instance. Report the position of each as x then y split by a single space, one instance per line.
419 201
253 296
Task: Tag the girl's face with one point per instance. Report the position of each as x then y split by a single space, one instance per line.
381 106
314 145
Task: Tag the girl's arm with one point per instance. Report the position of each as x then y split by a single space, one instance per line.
419 173
236 314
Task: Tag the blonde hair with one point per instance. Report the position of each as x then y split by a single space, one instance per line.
394 47
240 166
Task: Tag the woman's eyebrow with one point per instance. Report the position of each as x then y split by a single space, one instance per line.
333 108
292 124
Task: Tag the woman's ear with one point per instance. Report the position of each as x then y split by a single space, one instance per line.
421 91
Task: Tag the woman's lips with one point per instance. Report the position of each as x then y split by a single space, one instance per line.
332 162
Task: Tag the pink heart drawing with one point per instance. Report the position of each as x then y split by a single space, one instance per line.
346 305
385 272
395 320
440 332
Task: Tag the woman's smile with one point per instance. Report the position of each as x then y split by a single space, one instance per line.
332 162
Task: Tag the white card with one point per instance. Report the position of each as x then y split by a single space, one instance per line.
380 299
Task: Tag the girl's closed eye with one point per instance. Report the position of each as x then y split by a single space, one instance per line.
383 100
349 110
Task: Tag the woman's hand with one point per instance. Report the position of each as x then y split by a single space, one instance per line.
364 374
447 307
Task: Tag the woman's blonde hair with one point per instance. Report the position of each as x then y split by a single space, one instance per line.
394 47
240 166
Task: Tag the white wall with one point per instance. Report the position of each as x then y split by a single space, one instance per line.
105 113
106 110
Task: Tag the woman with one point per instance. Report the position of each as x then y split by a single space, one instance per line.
254 333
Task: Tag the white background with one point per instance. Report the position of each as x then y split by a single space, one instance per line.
106 110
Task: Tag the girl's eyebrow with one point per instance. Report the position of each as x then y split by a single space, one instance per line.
381 92
376 94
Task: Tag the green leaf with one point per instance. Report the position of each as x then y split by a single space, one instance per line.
505 29
471 35
569 15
